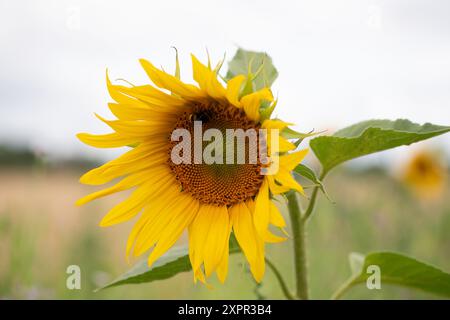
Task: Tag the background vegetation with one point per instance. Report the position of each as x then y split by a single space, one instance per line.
42 232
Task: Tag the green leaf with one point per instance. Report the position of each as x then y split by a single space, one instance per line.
309 174
257 65
266 111
369 137
175 261
289 133
397 269
356 261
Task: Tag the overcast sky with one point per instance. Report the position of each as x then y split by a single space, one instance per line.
339 61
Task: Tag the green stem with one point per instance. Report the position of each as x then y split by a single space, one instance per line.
298 222
280 279
300 259
343 289
312 201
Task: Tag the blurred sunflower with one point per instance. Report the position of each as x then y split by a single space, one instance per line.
210 201
425 174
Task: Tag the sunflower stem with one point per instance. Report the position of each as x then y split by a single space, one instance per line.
300 258
280 279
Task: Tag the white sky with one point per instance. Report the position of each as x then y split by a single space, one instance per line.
339 61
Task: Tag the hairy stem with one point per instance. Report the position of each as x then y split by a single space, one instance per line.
300 259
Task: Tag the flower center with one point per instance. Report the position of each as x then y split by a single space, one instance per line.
218 183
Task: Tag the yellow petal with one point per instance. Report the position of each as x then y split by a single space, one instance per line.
210 231
261 214
252 102
139 198
284 145
275 124
197 271
291 160
251 244
271 238
143 156
116 94
222 268
207 79
126 183
125 210
276 188
233 90
137 228
169 82
183 212
275 216
139 112
149 96
140 129
110 140
198 235
285 178
158 217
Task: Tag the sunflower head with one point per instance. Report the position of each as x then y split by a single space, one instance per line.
219 187
425 175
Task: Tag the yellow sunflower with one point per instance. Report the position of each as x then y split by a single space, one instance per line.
209 201
425 174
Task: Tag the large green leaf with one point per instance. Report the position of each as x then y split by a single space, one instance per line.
397 269
369 137
175 261
253 63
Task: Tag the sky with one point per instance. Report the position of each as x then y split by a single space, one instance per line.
339 62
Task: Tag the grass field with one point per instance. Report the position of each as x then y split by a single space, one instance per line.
42 232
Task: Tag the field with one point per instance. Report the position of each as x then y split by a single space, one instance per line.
42 232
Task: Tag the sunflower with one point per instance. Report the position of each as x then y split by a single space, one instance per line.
425 175
210 201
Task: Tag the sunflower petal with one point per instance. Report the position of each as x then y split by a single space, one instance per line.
183 213
109 140
248 239
233 90
222 268
274 187
169 82
291 160
271 238
139 112
285 178
275 124
252 102
210 231
127 209
139 129
126 183
275 216
261 214
157 218
207 79
132 161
